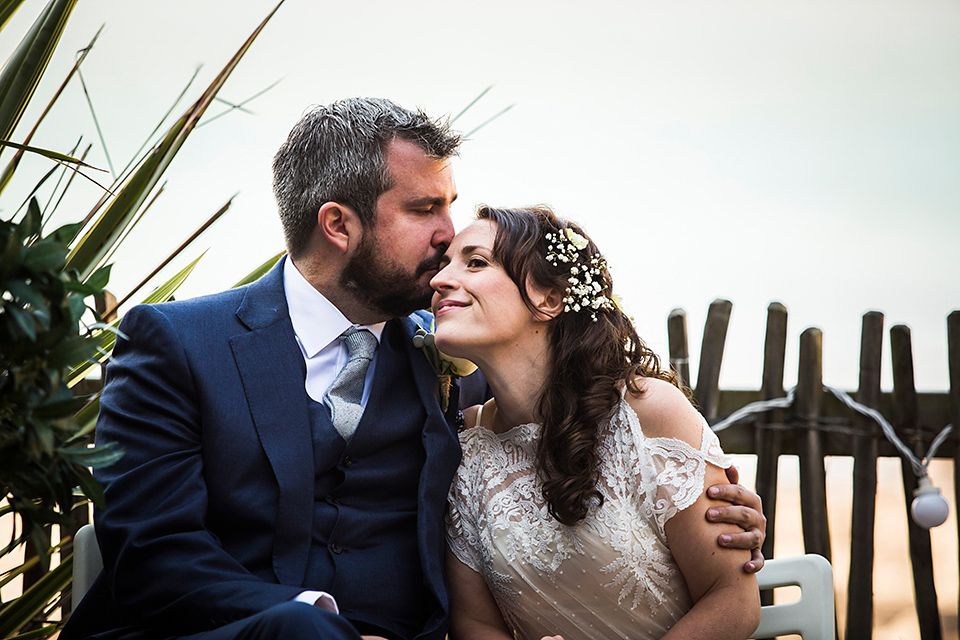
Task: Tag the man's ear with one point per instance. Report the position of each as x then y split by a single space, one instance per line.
339 225
549 303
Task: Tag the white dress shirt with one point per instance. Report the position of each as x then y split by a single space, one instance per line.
317 325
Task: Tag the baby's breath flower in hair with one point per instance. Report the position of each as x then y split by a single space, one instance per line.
584 290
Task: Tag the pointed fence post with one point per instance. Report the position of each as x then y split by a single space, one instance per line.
813 491
768 436
953 359
907 426
860 580
677 339
707 394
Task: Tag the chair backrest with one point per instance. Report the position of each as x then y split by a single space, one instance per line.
812 616
86 561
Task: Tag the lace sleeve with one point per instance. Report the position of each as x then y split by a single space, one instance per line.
679 471
462 536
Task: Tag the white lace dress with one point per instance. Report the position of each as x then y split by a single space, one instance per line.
610 576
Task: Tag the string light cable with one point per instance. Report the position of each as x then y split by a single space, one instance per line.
929 508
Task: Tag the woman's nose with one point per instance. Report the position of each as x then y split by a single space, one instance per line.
442 280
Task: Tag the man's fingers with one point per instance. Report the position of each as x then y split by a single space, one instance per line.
755 563
743 517
746 512
735 494
750 540
733 474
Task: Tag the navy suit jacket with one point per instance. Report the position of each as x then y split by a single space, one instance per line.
209 512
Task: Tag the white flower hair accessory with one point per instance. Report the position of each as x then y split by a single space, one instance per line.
584 290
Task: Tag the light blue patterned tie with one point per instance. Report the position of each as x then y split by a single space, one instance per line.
345 393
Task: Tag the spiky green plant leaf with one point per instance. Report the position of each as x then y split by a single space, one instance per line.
23 70
176 252
38 634
168 288
107 336
101 456
48 153
19 612
11 167
86 420
7 9
257 273
98 240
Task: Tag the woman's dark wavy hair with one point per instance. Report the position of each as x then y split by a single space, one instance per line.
590 360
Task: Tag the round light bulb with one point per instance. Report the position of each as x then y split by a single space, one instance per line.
929 509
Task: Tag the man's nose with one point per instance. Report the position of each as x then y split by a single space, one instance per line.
444 233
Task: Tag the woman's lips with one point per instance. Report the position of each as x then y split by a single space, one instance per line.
446 306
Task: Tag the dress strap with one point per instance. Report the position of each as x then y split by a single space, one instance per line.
479 414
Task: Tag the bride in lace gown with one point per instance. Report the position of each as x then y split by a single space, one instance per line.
578 508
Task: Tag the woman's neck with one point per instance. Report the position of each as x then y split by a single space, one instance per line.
517 377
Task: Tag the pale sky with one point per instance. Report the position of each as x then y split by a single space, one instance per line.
800 151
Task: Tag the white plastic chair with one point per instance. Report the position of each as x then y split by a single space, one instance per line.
812 616
87 562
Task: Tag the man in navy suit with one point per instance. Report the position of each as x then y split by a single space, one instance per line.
240 510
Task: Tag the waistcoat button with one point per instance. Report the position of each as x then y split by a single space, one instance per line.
336 548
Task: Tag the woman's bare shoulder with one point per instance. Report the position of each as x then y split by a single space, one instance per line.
665 412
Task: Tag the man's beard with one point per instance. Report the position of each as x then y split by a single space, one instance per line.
384 285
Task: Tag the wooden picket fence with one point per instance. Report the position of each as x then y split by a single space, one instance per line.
818 425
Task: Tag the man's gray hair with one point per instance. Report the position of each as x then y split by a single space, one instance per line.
335 153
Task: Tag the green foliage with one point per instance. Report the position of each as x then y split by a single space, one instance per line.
40 342
46 282
7 9
16 615
22 72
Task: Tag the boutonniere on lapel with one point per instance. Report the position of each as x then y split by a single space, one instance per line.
446 367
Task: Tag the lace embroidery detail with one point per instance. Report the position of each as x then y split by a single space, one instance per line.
498 517
513 510
641 567
464 542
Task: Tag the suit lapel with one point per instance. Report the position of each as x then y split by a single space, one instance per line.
442 457
272 372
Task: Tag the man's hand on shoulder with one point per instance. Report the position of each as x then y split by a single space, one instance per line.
746 511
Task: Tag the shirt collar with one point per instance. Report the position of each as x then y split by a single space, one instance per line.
316 321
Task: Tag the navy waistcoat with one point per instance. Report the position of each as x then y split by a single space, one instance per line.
365 550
